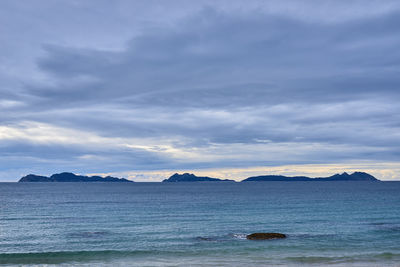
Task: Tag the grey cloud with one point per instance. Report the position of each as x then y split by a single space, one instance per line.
56 157
216 63
211 61
225 78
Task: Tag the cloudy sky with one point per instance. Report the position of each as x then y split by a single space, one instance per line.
143 89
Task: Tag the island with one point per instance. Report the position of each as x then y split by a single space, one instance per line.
70 177
189 177
356 176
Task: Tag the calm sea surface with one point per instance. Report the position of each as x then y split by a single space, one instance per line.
200 224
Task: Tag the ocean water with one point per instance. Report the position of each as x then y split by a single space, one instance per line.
199 224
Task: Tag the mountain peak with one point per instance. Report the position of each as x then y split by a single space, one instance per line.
70 177
190 177
356 176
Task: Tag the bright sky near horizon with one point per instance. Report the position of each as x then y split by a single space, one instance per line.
229 89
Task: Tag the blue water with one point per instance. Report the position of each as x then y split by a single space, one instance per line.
200 224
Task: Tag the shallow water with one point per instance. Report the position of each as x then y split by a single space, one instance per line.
200 224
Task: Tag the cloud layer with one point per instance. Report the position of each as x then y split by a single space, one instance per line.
209 85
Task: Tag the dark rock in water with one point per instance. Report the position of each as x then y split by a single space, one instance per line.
70 177
201 238
188 177
264 236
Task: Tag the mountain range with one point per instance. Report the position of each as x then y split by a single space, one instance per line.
356 176
188 177
70 177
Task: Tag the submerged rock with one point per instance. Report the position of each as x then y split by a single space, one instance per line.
202 238
264 236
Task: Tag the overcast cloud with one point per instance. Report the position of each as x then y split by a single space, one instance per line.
146 86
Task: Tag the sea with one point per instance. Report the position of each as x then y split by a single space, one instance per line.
200 224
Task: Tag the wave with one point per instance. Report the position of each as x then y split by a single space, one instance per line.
386 226
240 236
88 234
66 256
60 257
222 238
378 257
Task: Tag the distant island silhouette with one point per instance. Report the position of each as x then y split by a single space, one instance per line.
189 177
356 176
70 177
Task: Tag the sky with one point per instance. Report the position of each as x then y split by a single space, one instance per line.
229 89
